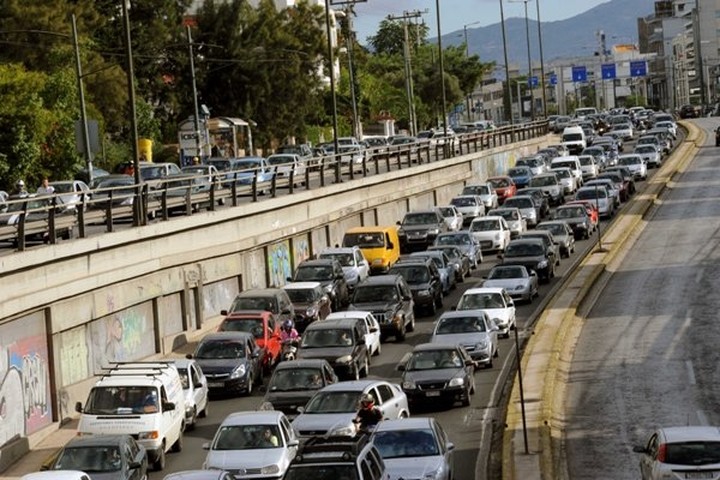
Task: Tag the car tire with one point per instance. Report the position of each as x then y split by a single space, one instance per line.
191 424
205 411
411 326
489 364
159 464
400 335
465 400
356 372
439 301
366 367
250 383
378 350
178 445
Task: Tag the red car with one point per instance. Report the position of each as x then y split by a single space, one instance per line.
504 187
264 327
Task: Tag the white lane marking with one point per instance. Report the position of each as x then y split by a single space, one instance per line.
702 418
699 275
691 372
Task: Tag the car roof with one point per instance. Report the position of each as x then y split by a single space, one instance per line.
351 385
333 323
195 475
691 433
227 336
387 279
353 314
424 347
253 417
56 475
339 249
527 240
248 314
461 314
317 261
405 423
97 440
260 292
478 290
301 285
302 363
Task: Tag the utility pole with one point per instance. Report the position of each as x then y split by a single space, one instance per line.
81 95
196 110
406 17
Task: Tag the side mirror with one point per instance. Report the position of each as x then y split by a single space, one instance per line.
400 367
373 329
188 356
78 407
339 276
134 465
639 449
469 362
289 279
206 446
168 406
301 409
198 385
450 446
223 312
398 223
294 443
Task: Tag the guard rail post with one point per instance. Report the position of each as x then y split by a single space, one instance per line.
387 160
81 215
52 235
273 184
291 181
351 165
21 227
145 196
307 177
212 196
188 200
377 164
109 211
364 166
322 172
409 157
163 203
254 187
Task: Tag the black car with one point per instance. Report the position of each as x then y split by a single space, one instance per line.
231 361
329 273
418 229
717 137
531 253
339 341
423 278
293 383
436 371
111 457
390 300
688 111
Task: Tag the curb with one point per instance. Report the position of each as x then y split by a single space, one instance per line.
549 351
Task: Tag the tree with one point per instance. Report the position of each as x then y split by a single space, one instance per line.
390 37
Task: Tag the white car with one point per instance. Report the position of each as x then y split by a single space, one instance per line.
493 233
680 452
600 197
671 126
473 329
485 191
625 130
494 301
513 217
649 153
588 166
610 186
372 328
567 179
286 163
453 217
255 441
57 475
635 163
470 206
195 388
355 267
72 192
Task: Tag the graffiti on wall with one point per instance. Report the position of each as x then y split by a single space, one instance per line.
122 336
301 250
278 261
217 296
25 405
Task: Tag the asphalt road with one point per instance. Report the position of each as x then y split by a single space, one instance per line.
647 355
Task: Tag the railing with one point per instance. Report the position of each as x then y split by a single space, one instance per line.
48 218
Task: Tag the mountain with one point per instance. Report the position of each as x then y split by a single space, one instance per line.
572 37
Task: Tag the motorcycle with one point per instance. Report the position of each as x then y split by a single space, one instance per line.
289 350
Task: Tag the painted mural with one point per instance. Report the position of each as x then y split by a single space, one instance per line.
123 336
25 405
278 261
301 250
218 296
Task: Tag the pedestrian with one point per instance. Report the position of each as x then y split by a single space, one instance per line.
45 188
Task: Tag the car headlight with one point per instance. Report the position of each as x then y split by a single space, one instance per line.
542 264
344 359
424 293
311 311
346 431
434 231
401 232
498 236
482 345
408 385
270 470
433 474
378 261
456 382
238 372
329 288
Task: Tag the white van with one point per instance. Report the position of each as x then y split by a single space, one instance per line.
573 163
142 399
573 138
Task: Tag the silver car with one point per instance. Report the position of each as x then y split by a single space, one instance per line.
527 207
649 153
470 206
513 218
472 329
562 234
680 452
517 281
415 447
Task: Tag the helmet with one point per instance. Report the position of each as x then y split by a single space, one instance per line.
288 324
367 400
20 183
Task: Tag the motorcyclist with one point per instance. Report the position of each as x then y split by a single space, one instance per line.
368 416
288 334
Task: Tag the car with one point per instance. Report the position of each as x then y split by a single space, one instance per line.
577 218
532 254
333 408
624 130
471 206
599 156
670 126
466 242
459 261
252 443
591 208
588 166
101 457
184 191
273 300
443 264
330 274
553 248
341 342
371 330
527 206
566 179
293 383
453 217
550 185
656 140
419 228
390 300
195 387
635 163
620 180
496 302
542 201
519 282
73 193
504 187
415 447
536 164
287 165
245 171
562 233
486 191
303 150
434 372
154 173
423 278
680 452
37 219
263 326
231 361
520 175
200 475
351 151
688 111
339 457
516 223
473 330
113 191
650 154
612 188
380 245
492 232
310 301
354 264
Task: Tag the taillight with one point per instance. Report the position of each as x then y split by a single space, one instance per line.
662 453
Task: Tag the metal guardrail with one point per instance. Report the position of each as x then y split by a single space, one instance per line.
48 218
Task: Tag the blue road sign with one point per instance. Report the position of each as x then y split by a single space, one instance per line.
553 79
579 74
638 68
608 71
533 81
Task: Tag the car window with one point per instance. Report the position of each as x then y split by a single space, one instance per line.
385 393
376 463
285 430
329 374
365 468
373 393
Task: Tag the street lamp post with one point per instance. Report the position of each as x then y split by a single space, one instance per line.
442 75
81 95
530 70
194 92
331 72
467 55
542 60
507 67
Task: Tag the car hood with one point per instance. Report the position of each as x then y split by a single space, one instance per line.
322 422
372 307
237 459
573 220
297 398
220 365
412 467
434 375
486 234
509 284
327 353
460 338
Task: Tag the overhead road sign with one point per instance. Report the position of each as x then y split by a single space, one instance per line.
638 68
609 71
579 74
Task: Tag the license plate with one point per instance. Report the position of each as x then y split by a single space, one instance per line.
215 384
432 394
699 475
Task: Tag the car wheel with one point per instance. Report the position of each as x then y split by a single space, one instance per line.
250 383
378 350
400 335
411 325
178 445
366 367
356 372
159 464
497 350
489 364
472 386
466 398
193 420
439 301
205 411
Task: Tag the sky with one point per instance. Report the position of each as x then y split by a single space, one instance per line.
454 14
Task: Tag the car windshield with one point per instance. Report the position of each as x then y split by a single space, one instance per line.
302 295
151 173
507 214
220 349
476 190
501 272
543 181
184 378
280 159
434 359
447 326
447 212
289 379
518 202
375 294
451 252
499 182
524 250
249 325
419 219
645 149
692 453
344 259
485 225
476 301
247 164
247 437
629 161
591 194
62 187
327 337
413 274
569 212
464 202
364 240
572 137
518 172
221 165
563 173
406 443
554 228
122 401
586 161
90 459
323 471
454 239
333 402
254 303
313 273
